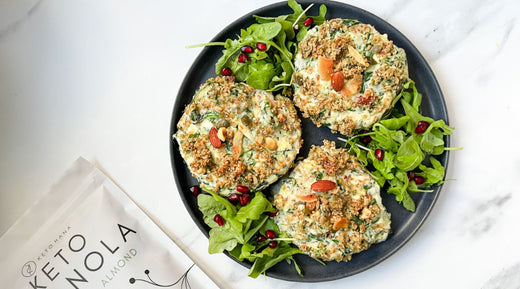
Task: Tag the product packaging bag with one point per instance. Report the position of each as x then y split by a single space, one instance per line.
87 233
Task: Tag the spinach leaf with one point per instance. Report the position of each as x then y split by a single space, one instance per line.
209 208
221 239
270 257
241 224
256 207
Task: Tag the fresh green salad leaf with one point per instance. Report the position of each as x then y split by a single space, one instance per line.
409 155
241 224
271 257
254 209
268 66
404 169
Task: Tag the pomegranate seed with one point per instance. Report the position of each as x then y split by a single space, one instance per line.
243 199
380 154
226 71
272 214
272 244
270 234
367 139
418 180
242 58
260 238
242 189
246 49
233 198
218 219
261 46
195 190
421 127
308 22
411 175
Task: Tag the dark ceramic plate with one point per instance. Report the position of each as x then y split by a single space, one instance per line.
404 223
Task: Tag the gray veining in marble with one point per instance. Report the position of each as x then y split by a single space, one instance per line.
485 215
13 26
508 278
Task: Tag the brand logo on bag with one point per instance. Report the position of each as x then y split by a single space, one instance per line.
29 269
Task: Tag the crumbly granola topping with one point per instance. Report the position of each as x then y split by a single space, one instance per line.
262 136
373 70
337 223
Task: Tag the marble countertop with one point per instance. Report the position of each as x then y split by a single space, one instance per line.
98 79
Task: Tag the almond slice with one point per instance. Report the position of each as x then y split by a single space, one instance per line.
213 138
341 223
323 186
236 149
356 55
308 198
325 68
270 143
222 133
353 85
337 81
311 206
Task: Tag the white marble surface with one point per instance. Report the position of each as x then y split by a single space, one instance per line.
98 79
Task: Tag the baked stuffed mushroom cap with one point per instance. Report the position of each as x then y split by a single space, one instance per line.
347 75
234 135
330 205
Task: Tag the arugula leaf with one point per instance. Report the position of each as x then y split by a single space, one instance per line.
387 138
260 74
395 123
266 31
398 187
432 142
409 155
385 166
433 175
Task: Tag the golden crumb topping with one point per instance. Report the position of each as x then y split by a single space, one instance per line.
347 75
330 205
231 135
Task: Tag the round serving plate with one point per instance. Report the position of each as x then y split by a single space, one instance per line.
404 223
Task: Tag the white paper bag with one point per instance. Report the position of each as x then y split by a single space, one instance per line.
87 233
